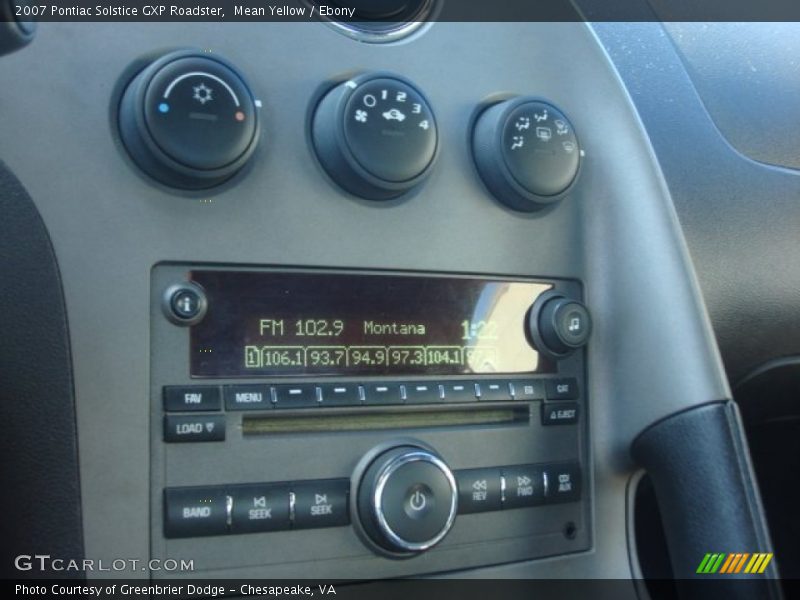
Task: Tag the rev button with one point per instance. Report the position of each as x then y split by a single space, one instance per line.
194 428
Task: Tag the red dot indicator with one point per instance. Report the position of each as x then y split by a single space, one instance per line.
239 116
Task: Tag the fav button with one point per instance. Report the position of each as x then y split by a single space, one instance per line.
191 398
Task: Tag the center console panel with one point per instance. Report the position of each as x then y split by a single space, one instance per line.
356 419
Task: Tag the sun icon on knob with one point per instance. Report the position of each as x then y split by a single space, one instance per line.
203 93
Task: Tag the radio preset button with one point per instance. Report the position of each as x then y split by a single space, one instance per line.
383 393
259 507
524 486
562 389
528 389
559 413
340 394
247 397
493 391
191 398
422 393
321 503
461 391
479 490
295 396
197 511
194 428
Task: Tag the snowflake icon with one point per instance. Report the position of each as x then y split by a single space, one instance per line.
361 116
203 93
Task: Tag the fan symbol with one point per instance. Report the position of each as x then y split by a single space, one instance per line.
361 116
203 93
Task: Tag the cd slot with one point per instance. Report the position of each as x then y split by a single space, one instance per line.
496 415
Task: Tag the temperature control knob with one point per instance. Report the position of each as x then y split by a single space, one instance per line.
375 135
189 120
526 152
407 500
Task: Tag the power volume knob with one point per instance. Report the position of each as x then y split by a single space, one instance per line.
189 121
407 500
375 135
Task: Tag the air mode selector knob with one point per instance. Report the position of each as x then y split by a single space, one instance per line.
189 120
526 152
375 135
407 500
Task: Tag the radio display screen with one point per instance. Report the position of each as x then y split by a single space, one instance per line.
274 324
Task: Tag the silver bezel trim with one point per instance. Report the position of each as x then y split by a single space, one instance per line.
377 499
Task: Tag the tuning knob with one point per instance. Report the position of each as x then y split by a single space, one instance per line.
558 326
375 135
526 152
407 500
189 120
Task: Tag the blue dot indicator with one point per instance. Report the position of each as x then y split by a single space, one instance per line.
163 107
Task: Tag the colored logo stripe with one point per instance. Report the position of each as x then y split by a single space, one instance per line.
734 563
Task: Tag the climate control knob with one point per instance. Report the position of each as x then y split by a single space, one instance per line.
189 120
407 500
526 152
375 135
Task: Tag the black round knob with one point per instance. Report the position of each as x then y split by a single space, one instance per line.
559 325
526 152
375 136
407 500
184 303
189 120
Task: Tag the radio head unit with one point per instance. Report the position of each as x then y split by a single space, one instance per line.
341 420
